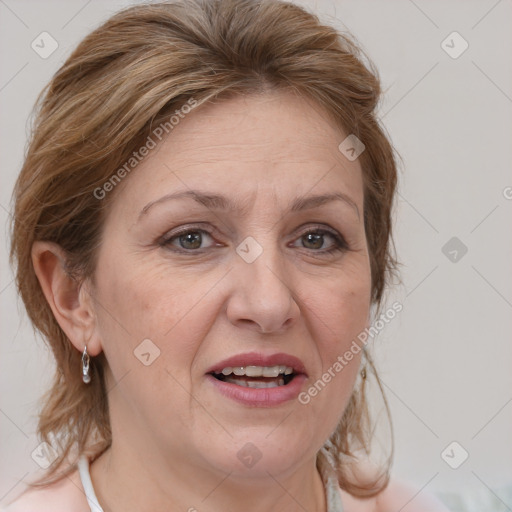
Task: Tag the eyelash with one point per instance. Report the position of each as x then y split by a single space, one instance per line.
340 245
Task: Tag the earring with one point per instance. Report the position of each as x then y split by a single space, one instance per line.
363 372
85 367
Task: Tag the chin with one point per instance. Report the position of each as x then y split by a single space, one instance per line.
257 455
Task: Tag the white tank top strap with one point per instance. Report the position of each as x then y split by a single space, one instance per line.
85 476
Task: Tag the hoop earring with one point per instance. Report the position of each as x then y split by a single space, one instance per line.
85 367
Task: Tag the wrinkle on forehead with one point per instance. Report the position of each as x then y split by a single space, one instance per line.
247 149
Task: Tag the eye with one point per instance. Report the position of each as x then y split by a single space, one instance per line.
191 239
187 240
315 240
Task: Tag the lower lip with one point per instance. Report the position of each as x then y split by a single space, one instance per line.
263 397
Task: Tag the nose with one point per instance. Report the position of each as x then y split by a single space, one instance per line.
262 298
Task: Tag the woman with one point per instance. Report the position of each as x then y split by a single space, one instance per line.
202 233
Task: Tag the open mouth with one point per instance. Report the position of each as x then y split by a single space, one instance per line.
256 376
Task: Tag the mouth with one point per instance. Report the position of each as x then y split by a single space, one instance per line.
259 380
256 377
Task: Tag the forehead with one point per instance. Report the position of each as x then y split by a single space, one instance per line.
275 143
267 127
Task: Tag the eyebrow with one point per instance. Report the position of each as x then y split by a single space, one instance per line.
219 202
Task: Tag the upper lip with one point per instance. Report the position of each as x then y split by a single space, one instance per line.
258 359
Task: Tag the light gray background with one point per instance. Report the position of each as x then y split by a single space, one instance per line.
446 359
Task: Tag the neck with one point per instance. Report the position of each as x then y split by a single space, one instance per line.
124 480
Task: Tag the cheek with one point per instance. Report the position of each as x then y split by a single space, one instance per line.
147 340
341 307
341 316
327 394
140 302
340 312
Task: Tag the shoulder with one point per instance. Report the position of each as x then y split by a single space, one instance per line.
397 495
66 494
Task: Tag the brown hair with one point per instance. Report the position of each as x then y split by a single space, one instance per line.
130 75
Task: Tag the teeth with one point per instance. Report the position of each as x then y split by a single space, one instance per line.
255 384
272 371
254 371
257 371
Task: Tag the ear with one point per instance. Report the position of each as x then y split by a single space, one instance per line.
70 301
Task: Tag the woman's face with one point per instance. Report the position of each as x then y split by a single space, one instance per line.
184 284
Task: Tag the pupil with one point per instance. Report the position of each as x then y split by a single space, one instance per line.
194 239
316 239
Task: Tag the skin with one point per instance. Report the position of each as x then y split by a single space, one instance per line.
175 438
